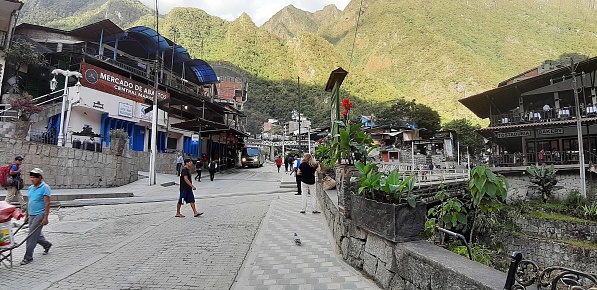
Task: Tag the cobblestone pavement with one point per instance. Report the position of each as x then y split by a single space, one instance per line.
275 262
143 246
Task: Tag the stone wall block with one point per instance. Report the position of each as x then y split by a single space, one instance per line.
344 247
369 264
357 232
383 275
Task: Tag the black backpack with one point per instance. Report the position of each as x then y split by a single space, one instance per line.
212 166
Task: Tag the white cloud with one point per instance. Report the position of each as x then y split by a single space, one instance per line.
259 10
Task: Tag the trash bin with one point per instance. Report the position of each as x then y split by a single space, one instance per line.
97 146
77 143
88 145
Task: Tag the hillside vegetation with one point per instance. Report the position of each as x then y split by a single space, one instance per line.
435 52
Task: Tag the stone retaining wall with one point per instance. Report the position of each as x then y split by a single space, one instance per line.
552 253
75 168
559 230
547 243
568 180
412 265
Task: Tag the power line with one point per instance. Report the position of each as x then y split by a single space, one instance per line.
356 31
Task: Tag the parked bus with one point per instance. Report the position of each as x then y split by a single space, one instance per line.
252 156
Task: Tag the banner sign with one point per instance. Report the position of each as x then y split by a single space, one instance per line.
513 134
550 131
106 81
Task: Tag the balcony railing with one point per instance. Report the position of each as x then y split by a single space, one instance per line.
547 157
564 113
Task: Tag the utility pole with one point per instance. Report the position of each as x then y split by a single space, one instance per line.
581 155
284 142
154 123
299 114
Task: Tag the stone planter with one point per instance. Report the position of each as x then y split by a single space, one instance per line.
21 129
395 222
117 146
344 187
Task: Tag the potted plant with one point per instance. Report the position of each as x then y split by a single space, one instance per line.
118 141
384 204
24 105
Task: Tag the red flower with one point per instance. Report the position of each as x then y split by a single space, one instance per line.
346 104
319 141
345 113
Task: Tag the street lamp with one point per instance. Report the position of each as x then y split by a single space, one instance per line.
53 84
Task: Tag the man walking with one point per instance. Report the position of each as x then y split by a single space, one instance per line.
186 189
213 166
198 169
179 161
15 188
39 209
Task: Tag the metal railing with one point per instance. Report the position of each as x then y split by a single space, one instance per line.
564 113
424 175
546 157
43 136
5 109
526 273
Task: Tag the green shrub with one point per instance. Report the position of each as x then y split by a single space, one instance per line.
544 179
575 200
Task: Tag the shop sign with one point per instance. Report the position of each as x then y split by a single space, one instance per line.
513 134
143 115
102 80
550 131
195 138
125 110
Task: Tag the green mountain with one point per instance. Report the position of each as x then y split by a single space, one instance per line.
435 52
71 14
290 21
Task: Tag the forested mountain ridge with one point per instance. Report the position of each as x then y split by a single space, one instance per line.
435 52
71 14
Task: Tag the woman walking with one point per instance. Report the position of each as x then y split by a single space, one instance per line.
307 170
279 163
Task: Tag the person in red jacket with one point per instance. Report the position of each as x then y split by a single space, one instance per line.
279 163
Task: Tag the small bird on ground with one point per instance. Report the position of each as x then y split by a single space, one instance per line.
297 240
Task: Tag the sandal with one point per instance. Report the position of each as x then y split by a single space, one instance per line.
179 216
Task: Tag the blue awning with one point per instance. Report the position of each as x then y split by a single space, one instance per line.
202 70
144 42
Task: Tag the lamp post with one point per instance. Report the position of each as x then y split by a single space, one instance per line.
53 84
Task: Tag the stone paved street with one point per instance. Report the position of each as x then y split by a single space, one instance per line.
243 241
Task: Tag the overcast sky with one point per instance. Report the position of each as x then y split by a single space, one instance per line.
259 10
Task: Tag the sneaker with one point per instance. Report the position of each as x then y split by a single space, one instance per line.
25 262
316 211
46 250
302 211
297 194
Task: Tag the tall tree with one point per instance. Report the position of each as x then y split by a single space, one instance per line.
466 134
400 112
21 53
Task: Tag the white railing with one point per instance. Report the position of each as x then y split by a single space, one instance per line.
7 108
423 175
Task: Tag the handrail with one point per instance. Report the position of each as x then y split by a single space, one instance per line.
5 108
458 236
43 96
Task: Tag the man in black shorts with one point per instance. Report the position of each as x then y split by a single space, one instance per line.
186 189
